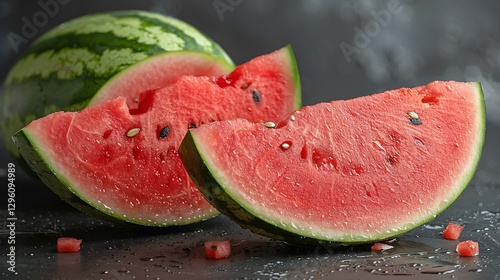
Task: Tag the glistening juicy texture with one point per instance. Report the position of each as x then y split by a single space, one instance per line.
353 171
99 57
123 163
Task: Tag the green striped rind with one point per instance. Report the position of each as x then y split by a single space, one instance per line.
214 190
33 157
297 91
142 33
66 67
461 183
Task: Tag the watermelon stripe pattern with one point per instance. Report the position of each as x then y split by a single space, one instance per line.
145 33
67 66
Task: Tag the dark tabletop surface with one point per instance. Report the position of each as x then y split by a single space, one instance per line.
419 42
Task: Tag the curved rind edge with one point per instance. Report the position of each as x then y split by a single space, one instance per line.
215 194
49 178
294 69
60 186
227 65
467 176
481 129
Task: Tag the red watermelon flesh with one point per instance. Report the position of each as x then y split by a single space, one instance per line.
124 162
353 171
159 71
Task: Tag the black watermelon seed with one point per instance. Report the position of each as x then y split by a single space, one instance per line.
256 96
192 125
415 121
164 132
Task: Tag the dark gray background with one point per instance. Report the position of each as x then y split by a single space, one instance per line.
422 42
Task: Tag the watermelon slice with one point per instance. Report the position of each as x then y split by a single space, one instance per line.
68 245
356 171
453 231
468 248
217 249
122 163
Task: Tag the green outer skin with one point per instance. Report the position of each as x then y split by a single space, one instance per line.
205 178
96 48
296 77
47 175
213 192
59 185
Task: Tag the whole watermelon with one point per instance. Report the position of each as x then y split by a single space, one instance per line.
98 57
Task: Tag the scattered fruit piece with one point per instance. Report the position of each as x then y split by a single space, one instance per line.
381 247
217 249
68 245
452 231
468 248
